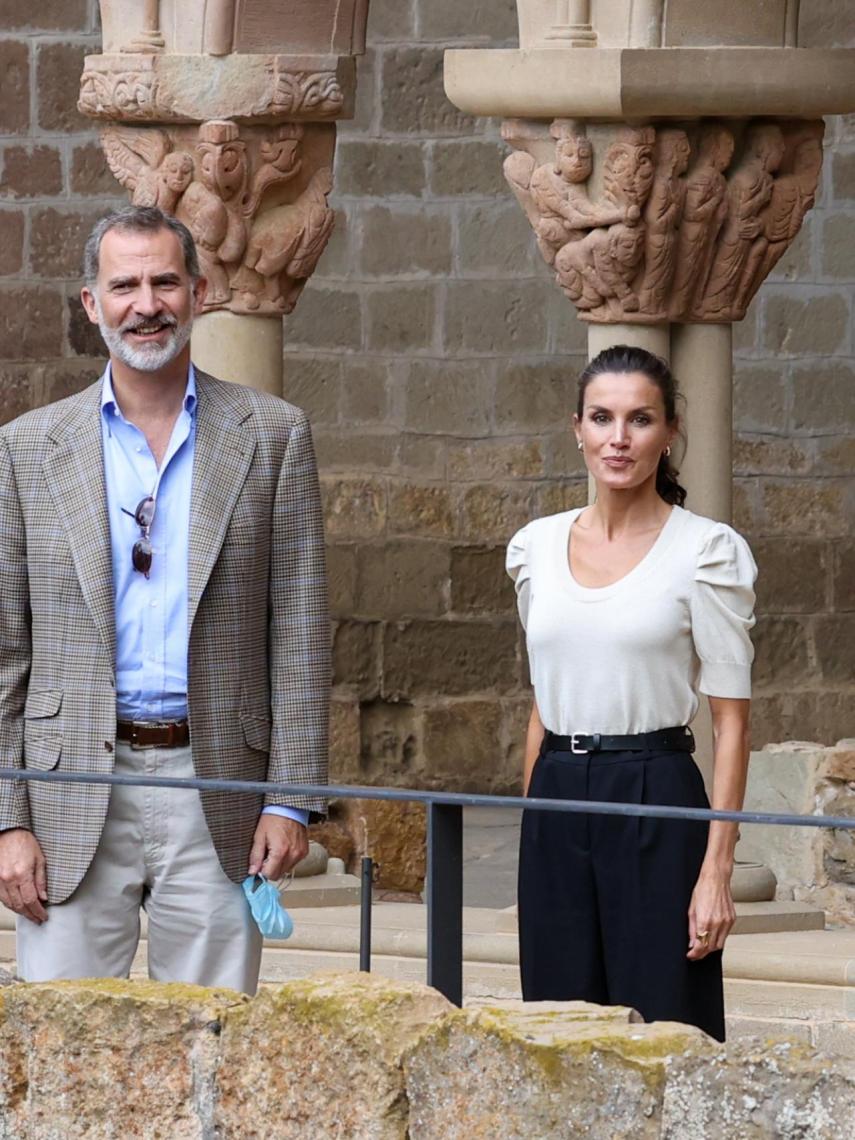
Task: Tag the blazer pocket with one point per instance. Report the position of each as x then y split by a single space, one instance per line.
256 732
42 752
42 703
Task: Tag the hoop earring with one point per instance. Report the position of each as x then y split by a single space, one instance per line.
667 451
580 446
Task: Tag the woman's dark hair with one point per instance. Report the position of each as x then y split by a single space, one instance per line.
627 358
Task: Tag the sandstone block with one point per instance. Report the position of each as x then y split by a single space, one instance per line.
810 508
496 317
90 174
478 460
825 24
325 318
404 241
391 20
356 657
781 651
31 172
422 456
341 578
11 242
344 739
759 398
800 714
543 1070
494 240
834 455
56 380
760 455
534 397
14 87
467 167
366 110
843 575
73 1045
448 657
824 398
365 391
338 450
745 332
479 583
392 832
57 238
793 574
84 338
815 326
494 20
493 513
450 398
462 746
414 100
322 1057
336 261
334 839
420 510
30 323
843 175
372 168
837 258
16 391
839 845
402 578
400 318
58 70
313 383
835 647
353 508
47 16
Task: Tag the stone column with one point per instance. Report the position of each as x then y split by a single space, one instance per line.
227 121
663 186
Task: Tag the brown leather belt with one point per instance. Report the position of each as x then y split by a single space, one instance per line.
145 734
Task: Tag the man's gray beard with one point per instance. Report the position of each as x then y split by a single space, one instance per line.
144 358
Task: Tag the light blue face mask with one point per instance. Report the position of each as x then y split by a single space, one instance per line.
271 917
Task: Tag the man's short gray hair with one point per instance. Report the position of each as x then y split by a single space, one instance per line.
138 219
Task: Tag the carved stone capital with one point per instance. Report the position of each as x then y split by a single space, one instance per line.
254 198
162 88
655 223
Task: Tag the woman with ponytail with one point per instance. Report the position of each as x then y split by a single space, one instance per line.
632 607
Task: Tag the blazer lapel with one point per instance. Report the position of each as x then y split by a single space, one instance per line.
223 454
74 472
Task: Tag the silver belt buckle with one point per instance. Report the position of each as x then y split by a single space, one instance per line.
576 751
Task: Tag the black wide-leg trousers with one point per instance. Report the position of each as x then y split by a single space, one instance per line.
603 900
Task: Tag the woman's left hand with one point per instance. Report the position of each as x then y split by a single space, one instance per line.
711 913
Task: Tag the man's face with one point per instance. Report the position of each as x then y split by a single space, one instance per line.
143 301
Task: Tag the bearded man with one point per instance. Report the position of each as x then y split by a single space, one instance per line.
162 612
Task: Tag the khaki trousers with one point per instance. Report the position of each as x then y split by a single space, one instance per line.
156 854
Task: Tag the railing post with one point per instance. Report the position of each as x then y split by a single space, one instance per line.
445 900
365 900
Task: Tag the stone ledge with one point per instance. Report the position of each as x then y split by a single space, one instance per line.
630 83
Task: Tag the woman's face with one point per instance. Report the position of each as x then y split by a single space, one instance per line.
623 429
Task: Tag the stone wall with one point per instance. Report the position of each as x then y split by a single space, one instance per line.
368 1059
436 359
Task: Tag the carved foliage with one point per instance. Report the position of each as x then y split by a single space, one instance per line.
315 93
681 231
120 94
255 201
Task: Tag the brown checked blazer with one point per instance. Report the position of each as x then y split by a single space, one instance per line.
259 662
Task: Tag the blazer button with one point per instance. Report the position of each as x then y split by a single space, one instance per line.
108 745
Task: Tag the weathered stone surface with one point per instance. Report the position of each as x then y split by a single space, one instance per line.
341 579
793 574
390 741
479 583
452 399
371 168
47 16
400 318
467 167
424 511
543 1070
456 658
494 319
760 455
325 318
365 391
353 508
843 576
781 650
69 1046
16 390
398 242
492 512
475 461
843 176
355 451
534 397
824 398
402 578
30 323
344 739
392 833
356 657
414 100
493 20
313 383
84 338
14 87
760 395
835 647
322 1057
57 238
839 845
58 72
334 838
494 240
462 747
804 328
31 172
837 259
12 231
810 508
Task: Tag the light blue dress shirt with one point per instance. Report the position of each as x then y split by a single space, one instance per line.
151 613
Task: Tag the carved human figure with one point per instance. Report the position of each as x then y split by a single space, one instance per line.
285 244
749 190
553 194
211 206
143 161
704 212
597 272
793 193
280 161
629 169
662 216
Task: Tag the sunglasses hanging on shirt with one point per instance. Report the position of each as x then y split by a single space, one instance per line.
142 551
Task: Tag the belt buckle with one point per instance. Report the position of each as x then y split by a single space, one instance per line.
576 751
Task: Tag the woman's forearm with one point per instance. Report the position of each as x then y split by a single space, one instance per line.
730 772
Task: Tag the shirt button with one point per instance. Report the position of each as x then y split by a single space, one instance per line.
138 447
154 605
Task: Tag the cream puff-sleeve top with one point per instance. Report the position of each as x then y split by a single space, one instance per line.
633 656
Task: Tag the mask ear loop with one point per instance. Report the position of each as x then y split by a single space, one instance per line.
285 883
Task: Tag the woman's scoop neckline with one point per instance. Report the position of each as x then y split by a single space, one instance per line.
639 570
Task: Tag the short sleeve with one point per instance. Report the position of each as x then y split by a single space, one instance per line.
722 610
517 565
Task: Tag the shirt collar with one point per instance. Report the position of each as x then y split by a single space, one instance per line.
109 407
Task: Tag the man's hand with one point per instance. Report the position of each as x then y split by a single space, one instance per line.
23 874
278 845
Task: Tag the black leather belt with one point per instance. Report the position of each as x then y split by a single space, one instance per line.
663 740
145 734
